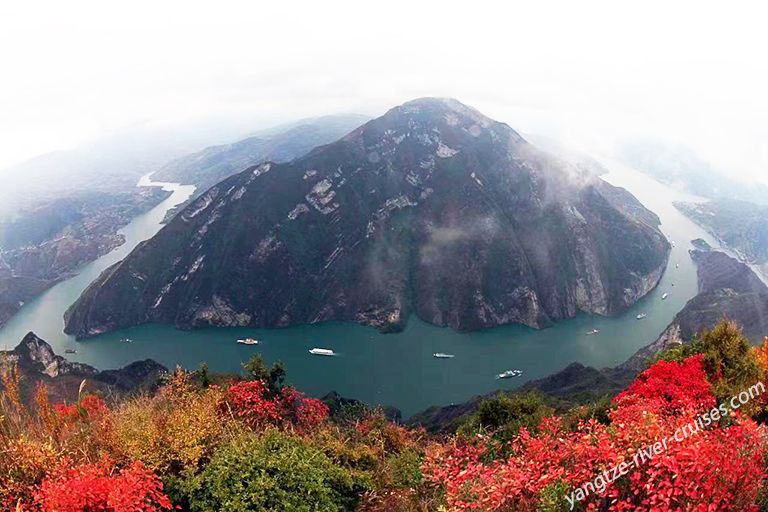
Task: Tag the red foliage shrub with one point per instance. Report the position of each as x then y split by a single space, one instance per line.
253 403
673 386
304 412
715 469
91 407
100 487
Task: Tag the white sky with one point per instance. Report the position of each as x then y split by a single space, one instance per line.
692 72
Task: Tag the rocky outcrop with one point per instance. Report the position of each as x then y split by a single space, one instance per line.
36 356
432 209
36 362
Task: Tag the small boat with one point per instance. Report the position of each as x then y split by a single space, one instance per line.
673 284
248 341
70 351
677 265
322 352
440 355
508 374
664 297
593 331
641 316
127 340
673 243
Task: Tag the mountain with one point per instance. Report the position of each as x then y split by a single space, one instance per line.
47 242
432 209
682 168
211 165
36 362
740 225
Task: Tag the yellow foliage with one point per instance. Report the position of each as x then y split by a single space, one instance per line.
761 355
23 464
172 431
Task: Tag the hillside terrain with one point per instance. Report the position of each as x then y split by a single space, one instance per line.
432 209
739 225
211 165
727 288
49 241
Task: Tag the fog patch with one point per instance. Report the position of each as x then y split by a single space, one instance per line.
442 239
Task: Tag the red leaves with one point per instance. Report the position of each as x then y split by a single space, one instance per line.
669 386
90 407
302 411
100 487
254 404
715 469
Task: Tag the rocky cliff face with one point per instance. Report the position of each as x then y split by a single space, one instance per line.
727 289
36 362
432 209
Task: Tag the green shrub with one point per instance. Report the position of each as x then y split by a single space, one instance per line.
505 415
273 471
404 469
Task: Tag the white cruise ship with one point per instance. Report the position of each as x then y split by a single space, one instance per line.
322 352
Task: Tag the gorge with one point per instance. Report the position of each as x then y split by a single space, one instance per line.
396 368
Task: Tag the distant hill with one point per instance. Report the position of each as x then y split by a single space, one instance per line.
740 225
682 168
211 165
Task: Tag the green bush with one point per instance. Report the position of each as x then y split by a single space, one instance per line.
505 415
404 469
273 471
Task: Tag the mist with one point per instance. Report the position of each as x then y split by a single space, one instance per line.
593 75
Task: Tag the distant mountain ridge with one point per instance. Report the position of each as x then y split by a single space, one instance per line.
432 209
211 165
48 242
682 168
740 225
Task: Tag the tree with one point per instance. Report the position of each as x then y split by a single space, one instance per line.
203 375
257 369
504 415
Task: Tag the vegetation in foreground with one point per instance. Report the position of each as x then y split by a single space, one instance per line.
204 443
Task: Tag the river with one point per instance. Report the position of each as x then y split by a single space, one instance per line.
393 369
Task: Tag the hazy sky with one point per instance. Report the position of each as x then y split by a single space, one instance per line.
692 72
